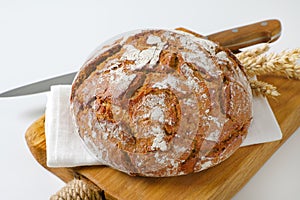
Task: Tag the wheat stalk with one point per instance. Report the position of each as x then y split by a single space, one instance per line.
250 58
266 89
248 55
257 62
284 63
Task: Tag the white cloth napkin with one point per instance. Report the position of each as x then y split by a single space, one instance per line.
65 148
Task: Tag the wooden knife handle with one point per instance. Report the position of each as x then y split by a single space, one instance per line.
244 36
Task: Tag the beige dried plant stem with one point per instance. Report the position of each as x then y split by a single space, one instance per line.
247 56
266 89
257 62
282 64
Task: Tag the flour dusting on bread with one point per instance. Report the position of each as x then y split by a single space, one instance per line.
161 103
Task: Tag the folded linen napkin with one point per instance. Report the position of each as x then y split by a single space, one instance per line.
65 148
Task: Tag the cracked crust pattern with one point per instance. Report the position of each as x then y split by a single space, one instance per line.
161 103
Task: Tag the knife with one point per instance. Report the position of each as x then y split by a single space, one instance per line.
234 39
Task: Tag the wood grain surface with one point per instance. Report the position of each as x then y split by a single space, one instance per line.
266 31
219 182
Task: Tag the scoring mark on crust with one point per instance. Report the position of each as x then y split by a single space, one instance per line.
90 68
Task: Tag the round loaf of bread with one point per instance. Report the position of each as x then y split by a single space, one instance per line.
161 103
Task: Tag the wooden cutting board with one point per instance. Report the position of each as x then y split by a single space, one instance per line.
219 182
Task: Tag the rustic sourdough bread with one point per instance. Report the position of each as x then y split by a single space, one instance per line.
161 103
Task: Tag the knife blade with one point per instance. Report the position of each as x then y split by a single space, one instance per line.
234 39
40 86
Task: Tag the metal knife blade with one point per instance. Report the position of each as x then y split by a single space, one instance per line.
234 39
40 86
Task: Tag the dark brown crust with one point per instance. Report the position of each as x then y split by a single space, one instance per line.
85 72
136 117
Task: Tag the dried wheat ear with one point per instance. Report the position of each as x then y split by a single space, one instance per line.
258 62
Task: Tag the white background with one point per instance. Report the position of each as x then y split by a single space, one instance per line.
39 40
